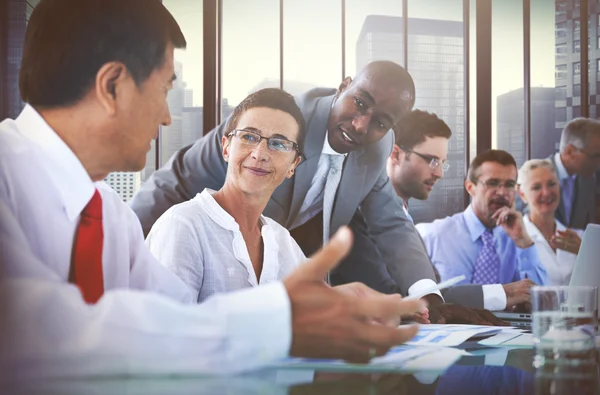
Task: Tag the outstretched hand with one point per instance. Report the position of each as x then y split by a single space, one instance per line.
351 322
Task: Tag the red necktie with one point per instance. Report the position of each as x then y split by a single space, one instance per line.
87 251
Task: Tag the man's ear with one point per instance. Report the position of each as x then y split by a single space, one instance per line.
470 187
111 79
396 154
225 142
344 85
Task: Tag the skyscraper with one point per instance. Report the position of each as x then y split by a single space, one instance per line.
435 61
125 184
511 129
568 61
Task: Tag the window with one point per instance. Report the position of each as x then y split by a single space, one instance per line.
507 78
560 71
577 68
548 90
561 49
576 90
561 29
560 93
311 57
185 99
250 50
436 63
576 46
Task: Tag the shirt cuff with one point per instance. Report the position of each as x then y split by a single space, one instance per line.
494 297
423 285
259 323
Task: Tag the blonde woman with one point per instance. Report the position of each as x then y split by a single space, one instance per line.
557 246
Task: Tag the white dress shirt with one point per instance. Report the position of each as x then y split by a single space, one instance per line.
202 244
559 265
47 330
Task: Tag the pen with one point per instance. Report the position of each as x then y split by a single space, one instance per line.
442 285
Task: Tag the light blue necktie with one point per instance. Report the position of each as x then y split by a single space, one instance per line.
331 185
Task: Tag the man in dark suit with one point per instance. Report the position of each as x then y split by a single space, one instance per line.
576 163
342 180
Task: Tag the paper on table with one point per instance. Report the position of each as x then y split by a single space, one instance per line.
508 339
451 335
401 358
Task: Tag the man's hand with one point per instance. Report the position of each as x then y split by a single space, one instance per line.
518 293
512 222
448 313
567 240
342 323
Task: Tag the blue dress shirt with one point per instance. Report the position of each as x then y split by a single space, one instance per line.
453 243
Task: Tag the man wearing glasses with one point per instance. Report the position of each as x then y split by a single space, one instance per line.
575 165
488 242
417 162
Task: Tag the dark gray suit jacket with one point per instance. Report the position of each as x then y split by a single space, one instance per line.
388 254
583 209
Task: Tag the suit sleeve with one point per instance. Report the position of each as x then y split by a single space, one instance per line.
364 264
187 173
395 236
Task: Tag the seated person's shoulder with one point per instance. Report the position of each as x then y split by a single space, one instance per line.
189 214
438 227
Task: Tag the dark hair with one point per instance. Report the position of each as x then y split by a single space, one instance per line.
274 98
491 155
414 127
68 41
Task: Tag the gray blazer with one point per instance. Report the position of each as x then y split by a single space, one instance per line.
387 243
583 209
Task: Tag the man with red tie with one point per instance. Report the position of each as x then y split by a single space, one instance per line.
80 293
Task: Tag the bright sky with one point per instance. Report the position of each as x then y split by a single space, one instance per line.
312 41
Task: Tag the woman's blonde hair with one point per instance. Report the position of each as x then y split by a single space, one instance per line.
531 165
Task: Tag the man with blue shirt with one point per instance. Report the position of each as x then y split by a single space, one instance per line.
488 242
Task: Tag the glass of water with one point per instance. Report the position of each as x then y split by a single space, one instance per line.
564 325
564 317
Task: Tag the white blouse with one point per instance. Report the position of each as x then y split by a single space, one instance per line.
203 245
559 265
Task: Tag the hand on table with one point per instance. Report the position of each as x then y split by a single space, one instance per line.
343 322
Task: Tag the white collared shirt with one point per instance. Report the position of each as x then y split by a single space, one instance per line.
47 330
313 202
559 264
202 243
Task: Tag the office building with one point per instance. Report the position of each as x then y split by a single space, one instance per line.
435 61
124 183
511 127
568 62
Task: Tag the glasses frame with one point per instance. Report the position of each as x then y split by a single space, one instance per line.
497 188
433 162
234 132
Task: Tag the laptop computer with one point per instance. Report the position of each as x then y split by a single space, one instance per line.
587 266
586 272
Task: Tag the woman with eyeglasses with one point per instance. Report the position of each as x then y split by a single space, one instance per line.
557 246
219 241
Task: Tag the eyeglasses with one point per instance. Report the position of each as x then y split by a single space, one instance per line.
277 144
434 162
495 185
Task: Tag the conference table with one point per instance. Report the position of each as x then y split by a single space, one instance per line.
481 371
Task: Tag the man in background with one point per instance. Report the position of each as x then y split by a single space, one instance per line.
417 162
488 242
